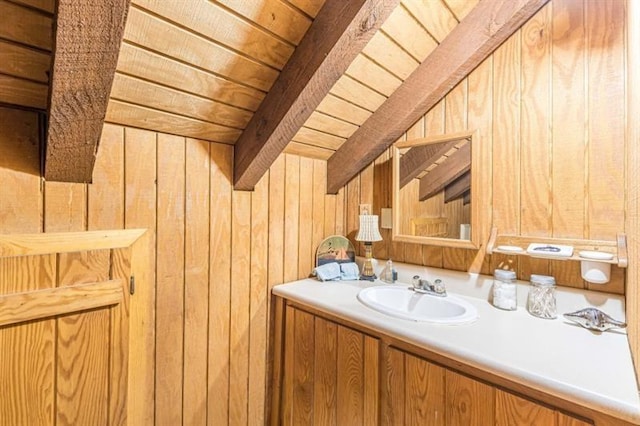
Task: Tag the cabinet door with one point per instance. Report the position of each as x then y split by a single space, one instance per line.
64 338
511 410
330 373
468 401
412 391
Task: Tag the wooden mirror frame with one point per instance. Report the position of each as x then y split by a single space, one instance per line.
480 192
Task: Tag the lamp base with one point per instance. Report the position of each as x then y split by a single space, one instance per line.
367 268
368 277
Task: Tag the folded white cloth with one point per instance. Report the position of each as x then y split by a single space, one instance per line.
349 271
328 271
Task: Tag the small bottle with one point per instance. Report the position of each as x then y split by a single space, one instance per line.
542 297
504 290
387 272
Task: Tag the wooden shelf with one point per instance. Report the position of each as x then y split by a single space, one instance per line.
617 247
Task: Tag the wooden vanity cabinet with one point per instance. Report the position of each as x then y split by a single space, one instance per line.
327 371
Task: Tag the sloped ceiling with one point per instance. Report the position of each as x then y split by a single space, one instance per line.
201 69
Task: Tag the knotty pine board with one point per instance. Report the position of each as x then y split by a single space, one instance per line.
170 279
220 281
196 287
140 212
259 295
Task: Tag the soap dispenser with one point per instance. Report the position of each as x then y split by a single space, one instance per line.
388 274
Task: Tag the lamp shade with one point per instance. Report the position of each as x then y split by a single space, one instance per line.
368 228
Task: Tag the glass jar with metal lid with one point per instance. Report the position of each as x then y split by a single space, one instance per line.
542 297
504 290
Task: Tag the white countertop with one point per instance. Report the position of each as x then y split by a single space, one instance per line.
554 356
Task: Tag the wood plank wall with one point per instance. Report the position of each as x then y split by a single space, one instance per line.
551 103
215 252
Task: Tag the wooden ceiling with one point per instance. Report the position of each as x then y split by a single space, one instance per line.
202 68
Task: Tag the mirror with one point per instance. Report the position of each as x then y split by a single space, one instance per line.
438 190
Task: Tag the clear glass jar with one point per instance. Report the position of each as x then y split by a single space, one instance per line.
504 290
542 297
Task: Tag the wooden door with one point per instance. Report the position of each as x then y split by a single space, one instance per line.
64 333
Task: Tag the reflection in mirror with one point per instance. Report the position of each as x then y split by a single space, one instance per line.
432 191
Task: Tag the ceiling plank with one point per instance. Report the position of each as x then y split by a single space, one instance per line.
482 31
335 38
88 35
458 188
448 171
418 158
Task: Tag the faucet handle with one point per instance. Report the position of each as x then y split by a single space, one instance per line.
439 287
416 282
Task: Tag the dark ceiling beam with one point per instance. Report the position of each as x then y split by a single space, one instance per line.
337 35
448 171
418 158
458 188
483 30
87 39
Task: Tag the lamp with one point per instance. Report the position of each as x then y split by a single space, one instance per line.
368 233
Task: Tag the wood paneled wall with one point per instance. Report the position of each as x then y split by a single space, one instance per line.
215 252
551 103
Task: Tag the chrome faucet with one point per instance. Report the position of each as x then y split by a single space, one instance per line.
437 288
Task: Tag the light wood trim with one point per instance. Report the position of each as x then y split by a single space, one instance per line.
20 307
432 140
88 35
488 25
121 264
336 36
65 242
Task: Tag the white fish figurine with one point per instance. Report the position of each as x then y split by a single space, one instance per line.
594 319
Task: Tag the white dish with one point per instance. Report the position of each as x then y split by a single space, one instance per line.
549 251
596 255
512 249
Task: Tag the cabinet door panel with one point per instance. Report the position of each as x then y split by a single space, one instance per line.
303 369
566 420
392 392
424 392
469 402
371 381
326 374
350 377
511 409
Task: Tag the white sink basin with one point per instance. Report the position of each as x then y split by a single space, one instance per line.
401 302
